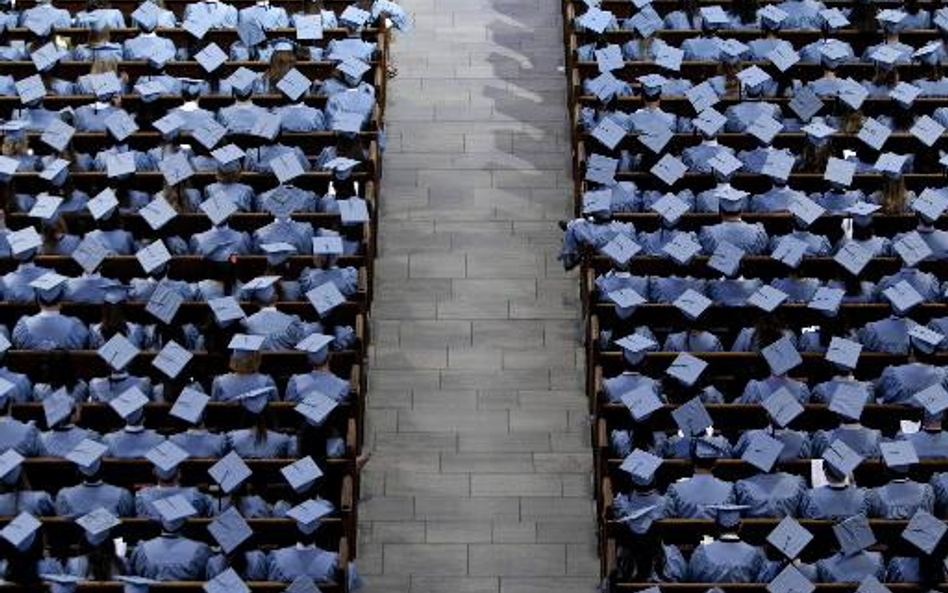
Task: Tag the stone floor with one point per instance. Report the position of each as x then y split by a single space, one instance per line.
480 476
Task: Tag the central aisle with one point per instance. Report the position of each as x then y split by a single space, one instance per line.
480 476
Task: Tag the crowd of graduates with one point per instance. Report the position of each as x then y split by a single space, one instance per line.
188 195
760 201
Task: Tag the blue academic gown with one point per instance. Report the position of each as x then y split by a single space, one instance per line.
131 442
63 439
834 502
864 441
79 500
796 444
34 502
727 561
146 497
21 437
899 383
226 388
770 495
691 497
198 442
287 564
324 382
170 557
900 499
276 444
840 568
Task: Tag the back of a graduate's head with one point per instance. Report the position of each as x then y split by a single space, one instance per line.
244 362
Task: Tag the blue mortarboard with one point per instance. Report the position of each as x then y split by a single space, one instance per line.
728 515
692 303
609 58
682 248
927 130
255 400
57 407
903 297
789 537
641 402
841 457
702 96
912 248
686 368
316 407
211 57
621 249
781 356
709 122
692 417
57 134
11 465
772 17
714 16
153 256
930 204
230 530
309 513
172 359
97 525
301 474
767 298
853 257
805 103
226 582
790 580
783 56
789 251
891 20
129 403
833 18
641 466
934 399
782 407
118 352
21 531
848 401
230 472
874 133
608 132
226 310
174 511
898 455
190 405
87 456
924 531
843 352
726 258
854 534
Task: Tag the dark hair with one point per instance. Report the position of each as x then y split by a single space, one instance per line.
113 321
103 561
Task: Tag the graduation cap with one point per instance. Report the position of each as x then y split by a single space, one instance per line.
609 58
286 167
621 249
250 32
316 346
724 164
175 168
47 56
157 213
790 580
927 130
765 129
325 298
87 456
789 251
57 134
818 133
316 407
303 584
609 133
635 344
924 338
848 401
641 466
714 16
97 525
692 303
652 84
839 172
246 342
934 399
294 84
129 403
805 103
242 80
103 204
841 457
49 286
309 27
639 520
172 359
930 53
905 94
854 534
230 530
226 310
309 513
190 405
641 402
871 584
862 212
783 56
762 451
903 297
354 16
61 583
804 210
781 356
255 400
218 208
898 455
789 537
57 407
687 368
702 96
153 256
767 298
669 169
595 19
772 17
353 211
120 124
778 165
853 257
885 56
669 57
24 241
21 531
891 19
709 122
174 511
833 18
912 248
211 57
230 472
11 464
597 203
844 352
930 204
164 302
301 474
30 89
626 300
692 417
726 258
147 15
226 582
728 515
353 69
753 78
874 133
670 207
118 352
924 531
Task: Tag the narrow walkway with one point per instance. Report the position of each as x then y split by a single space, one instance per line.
480 480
